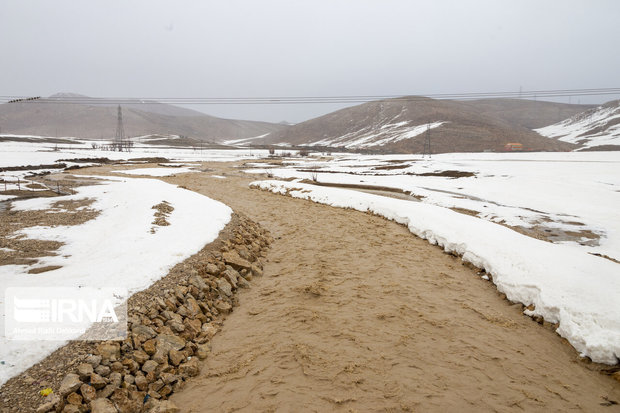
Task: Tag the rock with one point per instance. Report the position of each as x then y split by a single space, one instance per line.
193 326
231 276
176 357
141 383
50 402
212 269
71 408
198 282
117 366
191 368
169 378
116 379
223 306
88 393
161 355
140 356
224 287
128 379
143 330
203 351
170 341
176 326
106 392
74 398
233 259
123 403
84 370
131 364
192 306
97 381
103 370
94 360
149 366
242 283
151 377
156 385
149 347
69 384
165 391
210 329
102 406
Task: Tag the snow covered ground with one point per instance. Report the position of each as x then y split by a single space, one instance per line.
117 248
571 193
39 152
156 171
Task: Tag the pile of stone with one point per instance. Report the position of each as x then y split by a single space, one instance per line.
169 331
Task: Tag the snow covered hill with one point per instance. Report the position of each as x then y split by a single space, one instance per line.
594 129
399 125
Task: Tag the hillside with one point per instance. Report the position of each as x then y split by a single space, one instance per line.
64 115
399 125
594 129
529 113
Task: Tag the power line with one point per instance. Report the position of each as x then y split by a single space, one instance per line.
260 100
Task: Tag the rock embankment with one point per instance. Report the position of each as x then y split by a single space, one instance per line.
169 329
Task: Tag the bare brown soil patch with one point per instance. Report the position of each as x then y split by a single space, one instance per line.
47 268
20 250
449 174
163 211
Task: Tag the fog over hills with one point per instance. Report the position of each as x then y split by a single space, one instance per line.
69 114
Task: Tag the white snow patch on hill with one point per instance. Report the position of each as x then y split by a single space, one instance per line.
374 136
595 127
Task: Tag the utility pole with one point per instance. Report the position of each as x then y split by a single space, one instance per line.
427 141
119 137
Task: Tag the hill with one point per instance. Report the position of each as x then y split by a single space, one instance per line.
529 113
399 125
594 129
80 116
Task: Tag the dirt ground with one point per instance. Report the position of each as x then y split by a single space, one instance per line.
356 314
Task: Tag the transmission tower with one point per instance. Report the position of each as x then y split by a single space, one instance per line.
427 141
119 138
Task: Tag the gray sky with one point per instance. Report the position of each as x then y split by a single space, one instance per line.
234 48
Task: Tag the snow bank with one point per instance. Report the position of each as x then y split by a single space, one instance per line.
576 191
566 285
155 171
117 248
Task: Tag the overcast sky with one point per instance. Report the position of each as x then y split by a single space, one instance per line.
234 48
